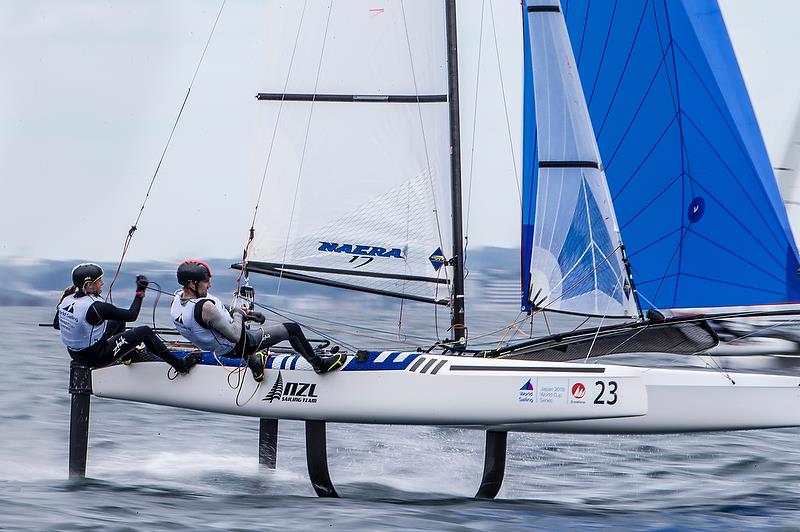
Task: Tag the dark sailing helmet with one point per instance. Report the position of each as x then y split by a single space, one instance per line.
193 270
86 273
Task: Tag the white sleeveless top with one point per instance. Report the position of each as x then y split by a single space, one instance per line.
183 316
76 332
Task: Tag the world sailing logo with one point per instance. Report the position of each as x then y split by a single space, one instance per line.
527 394
360 249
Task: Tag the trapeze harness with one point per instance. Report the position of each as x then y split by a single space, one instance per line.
188 319
76 331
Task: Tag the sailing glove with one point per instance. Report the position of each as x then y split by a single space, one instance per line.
141 283
256 317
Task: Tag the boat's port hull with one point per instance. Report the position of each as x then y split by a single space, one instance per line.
394 388
523 396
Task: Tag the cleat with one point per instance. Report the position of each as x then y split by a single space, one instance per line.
329 363
256 363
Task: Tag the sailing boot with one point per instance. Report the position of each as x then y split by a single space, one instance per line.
324 364
188 362
256 363
182 364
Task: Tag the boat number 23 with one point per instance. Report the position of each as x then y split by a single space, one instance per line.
607 393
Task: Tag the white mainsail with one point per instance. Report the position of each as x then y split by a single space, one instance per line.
356 186
788 176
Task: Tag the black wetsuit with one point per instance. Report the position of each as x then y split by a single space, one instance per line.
116 342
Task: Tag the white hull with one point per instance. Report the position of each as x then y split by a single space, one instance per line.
472 392
684 400
754 346
419 390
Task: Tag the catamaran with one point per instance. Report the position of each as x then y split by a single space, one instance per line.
637 128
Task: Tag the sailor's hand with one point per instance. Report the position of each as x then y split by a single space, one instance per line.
256 317
141 283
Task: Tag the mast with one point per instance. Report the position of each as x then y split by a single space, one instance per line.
457 316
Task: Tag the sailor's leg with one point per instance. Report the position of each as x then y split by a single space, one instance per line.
292 332
317 459
254 342
122 344
494 464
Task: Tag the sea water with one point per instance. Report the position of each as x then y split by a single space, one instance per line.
153 468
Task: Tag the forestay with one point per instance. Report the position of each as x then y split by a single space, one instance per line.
577 262
697 202
356 191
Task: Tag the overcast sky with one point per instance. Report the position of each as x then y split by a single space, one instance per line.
89 91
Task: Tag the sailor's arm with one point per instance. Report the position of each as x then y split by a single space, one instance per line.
214 320
101 310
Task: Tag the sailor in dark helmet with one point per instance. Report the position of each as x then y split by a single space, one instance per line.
94 331
208 324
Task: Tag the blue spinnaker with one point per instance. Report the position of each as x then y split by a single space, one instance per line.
695 196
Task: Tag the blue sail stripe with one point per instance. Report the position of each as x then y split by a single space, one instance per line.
646 157
738 256
676 253
748 195
603 54
656 198
624 69
707 279
633 119
758 242
661 64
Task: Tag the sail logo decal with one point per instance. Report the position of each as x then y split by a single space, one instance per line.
527 393
578 390
276 392
292 392
437 259
696 209
361 250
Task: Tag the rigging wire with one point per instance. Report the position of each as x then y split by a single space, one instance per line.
602 319
245 253
425 144
305 141
505 106
307 326
474 127
133 228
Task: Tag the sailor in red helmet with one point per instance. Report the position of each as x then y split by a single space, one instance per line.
207 323
94 331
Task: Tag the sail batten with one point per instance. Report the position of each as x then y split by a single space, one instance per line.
354 98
